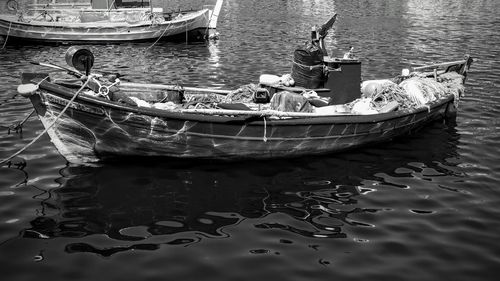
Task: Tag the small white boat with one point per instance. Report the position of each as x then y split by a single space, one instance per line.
88 25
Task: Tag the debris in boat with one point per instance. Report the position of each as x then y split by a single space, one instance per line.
423 90
454 83
169 105
287 80
371 88
390 106
203 101
243 94
363 106
269 79
140 103
234 106
350 54
275 80
308 67
335 109
290 102
413 91
376 96
381 93
315 100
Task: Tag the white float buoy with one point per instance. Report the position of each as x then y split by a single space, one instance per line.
27 90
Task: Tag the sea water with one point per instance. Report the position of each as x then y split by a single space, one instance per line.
423 207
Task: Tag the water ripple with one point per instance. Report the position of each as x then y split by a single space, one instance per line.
429 200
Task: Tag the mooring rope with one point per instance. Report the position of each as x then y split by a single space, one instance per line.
158 39
265 130
7 38
111 6
19 126
208 25
6 160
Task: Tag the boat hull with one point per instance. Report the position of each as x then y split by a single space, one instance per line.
192 26
93 129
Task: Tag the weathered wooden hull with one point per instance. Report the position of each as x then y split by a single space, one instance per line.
193 24
94 129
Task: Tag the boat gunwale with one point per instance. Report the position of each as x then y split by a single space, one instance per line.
101 24
68 93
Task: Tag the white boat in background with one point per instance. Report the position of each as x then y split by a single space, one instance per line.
85 24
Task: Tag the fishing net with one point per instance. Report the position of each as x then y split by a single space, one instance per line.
203 100
393 92
290 102
244 94
417 91
422 90
454 83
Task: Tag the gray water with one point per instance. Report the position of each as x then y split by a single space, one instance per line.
424 207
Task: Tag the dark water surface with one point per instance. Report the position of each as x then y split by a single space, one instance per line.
426 207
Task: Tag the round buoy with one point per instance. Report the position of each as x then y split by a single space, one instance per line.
81 59
12 5
26 90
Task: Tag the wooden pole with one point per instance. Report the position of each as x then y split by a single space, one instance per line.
173 88
438 65
261 113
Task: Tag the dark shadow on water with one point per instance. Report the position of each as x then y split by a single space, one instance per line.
181 202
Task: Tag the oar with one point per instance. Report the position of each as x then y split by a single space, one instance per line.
173 88
135 85
440 65
71 71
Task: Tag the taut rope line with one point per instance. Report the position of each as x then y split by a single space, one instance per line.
7 38
50 126
158 39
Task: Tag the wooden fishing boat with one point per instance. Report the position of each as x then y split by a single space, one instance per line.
99 118
88 25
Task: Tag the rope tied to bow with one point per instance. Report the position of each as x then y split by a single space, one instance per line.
6 160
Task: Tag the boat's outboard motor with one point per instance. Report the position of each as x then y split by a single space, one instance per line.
81 59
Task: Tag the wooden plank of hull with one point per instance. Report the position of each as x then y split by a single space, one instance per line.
90 131
101 32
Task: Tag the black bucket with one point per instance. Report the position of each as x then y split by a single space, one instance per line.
307 68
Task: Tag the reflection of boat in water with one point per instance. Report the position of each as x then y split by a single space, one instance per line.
148 204
108 25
